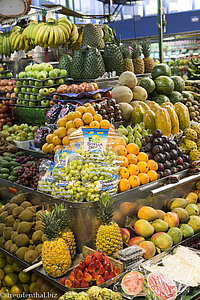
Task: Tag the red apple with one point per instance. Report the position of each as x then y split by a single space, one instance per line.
51 103
56 97
13 96
83 84
90 88
95 85
2 88
10 88
14 82
60 89
71 88
79 89
125 235
108 94
11 102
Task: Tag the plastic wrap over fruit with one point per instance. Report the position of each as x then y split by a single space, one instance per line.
46 183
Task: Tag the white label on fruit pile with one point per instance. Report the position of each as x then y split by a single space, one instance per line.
95 140
103 185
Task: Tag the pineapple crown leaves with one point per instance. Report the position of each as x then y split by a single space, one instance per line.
105 211
60 216
50 226
145 45
136 52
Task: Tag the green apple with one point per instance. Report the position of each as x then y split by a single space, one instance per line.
33 75
23 89
45 72
48 67
20 96
63 73
38 83
24 102
26 96
35 67
16 90
49 82
32 103
29 90
45 102
28 68
33 97
43 92
39 97
41 67
41 76
22 75
9 74
19 102
31 82
34 90
60 81
57 70
28 74
25 82
53 74
18 83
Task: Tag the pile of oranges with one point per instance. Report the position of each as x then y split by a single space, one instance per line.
83 116
135 167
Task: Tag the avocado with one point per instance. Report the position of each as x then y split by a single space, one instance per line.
4 176
12 178
15 164
5 170
5 164
9 159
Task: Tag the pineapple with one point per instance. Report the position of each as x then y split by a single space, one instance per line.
183 147
137 60
194 155
148 61
190 144
190 134
65 232
109 239
196 127
128 63
56 256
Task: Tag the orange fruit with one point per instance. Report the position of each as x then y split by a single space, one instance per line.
87 118
78 122
134 181
143 167
50 148
118 141
142 156
98 118
50 137
45 148
87 104
61 122
132 158
133 169
122 161
94 124
78 114
61 132
81 109
124 185
124 172
152 175
58 147
90 109
70 116
69 124
65 141
56 140
144 178
105 124
70 131
120 150
133 148
152 165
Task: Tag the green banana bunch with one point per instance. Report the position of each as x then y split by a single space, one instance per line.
5 47
194 69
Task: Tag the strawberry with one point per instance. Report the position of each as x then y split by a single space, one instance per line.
100 280
68 283
84 283
78 268
94 275
106 261
117 271
101 270
82 265
72 276
62 281
75 283
79 275
112 274
97 264
108 268
106 276
88 259
88 277
91 267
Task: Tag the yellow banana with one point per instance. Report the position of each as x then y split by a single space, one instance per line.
39 35
68 28
24 33
62 35
16 41
13 36
56 37
66 21
64 29
21 43
51 37
74 33
46 35
36 29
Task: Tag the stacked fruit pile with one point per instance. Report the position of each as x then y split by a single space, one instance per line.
36 83
22 132
193 87
135 134
4 115
6 48
166 153
109 110
93 293
193 69
14 280
7 84
192 105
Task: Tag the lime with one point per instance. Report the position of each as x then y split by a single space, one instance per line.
11 279
2 262
9 260
2 274
8 269
17 267
16 289
26 288
34 277
24 277
31 286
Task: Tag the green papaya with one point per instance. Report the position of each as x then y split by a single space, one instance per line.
149 119
163 122
183 115
137 114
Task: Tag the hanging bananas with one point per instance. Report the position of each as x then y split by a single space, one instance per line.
18 39
5 47
78 43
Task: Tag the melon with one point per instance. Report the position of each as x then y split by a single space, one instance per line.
122 94
161 69
128 79
164 85
160 99
126 110
175 97
187 95
179 83
139 93
161 286
132 283
148 84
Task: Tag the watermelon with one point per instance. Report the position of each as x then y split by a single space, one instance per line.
160 99
161 286
161 69
148 84
164 85
188 95
175 97
132 283
179 83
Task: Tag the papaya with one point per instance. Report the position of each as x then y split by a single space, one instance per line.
183 115
149 119
167 103
137 114
154 106
163 121
144 105
173 117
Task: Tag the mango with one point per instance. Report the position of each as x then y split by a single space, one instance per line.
198 205
147 213
143 228
178 202
176 234
168 204
187 230
160 225
136 240
162 240
172 219
149 248
160 213
182 214
191 198
192 209
194 222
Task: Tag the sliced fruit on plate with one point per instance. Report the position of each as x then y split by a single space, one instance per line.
132 283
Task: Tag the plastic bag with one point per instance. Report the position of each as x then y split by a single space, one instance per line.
47 183
53 114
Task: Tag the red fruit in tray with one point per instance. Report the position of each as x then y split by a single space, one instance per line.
62 281
12 96
72 276
117 271
100 256
97 96
79 275
91 267
84 283
95 254
82 265
88 259
76 283
83 84
106 276
112 274
95 85
71 88
57 97
108 268
78 268
100 280
4 108
94 275
106 261
97 264
10 88
68 283
88 277
79 89
111 265
108 94
89 88
101 270
85 271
